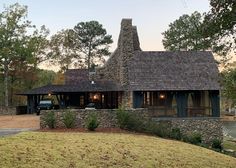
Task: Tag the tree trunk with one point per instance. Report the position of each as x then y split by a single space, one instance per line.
89 60
89 55
11 91
6 71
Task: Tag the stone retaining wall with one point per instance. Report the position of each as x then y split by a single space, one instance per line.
209 128
7 110
106 117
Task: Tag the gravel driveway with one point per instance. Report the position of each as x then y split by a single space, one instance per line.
17 123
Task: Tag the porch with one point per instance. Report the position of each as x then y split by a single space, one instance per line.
76 100
104 94
178 103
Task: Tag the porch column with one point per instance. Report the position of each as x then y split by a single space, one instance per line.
35 103
182 103
61 101
30 104
127 99
215 103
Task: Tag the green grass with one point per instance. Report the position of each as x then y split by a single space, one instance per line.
229 145
64 150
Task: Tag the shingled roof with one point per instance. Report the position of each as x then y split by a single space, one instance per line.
83 86
74 76
181 70
44 90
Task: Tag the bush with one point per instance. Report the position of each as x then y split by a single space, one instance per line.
129 121
92 122
122 118
194 138
69 119
134 122
204 145
161 129
50 119
175 134
217 144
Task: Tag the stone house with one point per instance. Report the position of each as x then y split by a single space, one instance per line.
166 83
179 87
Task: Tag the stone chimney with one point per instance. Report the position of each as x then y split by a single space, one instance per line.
136 43
128 42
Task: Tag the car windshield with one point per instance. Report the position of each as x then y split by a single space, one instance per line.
45 102
91 105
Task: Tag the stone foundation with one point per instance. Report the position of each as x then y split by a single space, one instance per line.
209 128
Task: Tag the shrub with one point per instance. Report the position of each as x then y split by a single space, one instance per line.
150 127
194 138
175 134
122 118
161 129
134 122
92 122
69 119
50 119
129 121
217 144
185 138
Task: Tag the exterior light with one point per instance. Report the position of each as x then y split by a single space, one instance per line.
95 97
162 96
49 94
92 82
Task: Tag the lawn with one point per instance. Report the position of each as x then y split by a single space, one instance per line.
228 144
68 150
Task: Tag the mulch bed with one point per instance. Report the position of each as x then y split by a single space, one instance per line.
105 130
98 130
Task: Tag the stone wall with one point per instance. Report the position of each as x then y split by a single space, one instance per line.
127 100
106 117
110 71
209 128
7 110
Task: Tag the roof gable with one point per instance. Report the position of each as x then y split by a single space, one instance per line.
75 76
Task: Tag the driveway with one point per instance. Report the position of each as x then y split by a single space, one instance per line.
18 123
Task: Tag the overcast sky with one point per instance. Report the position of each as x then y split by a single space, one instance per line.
151 17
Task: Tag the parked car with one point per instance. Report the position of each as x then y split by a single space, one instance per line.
45 104
93 105
90 106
